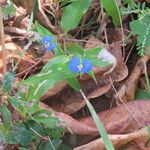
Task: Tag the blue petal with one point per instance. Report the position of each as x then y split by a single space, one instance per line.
48 42
87 66
51 47
73 64
47 39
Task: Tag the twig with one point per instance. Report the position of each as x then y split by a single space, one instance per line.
146 76
2 41
123 102
43 15
27 70
129 53
122 31
44 138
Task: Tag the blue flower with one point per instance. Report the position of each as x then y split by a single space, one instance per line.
48 42
76 65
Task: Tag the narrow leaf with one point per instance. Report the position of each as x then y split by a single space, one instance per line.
73 13
73 82
112 9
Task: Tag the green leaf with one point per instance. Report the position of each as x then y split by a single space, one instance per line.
6 114
7 83
21 134
42 130
92 55
35 92
54 73
22 148
112 10
149 130
46 119
37 127
74 83
53 145
2 136
73 13
142 94
43 81
141 28
137 27
101 129
9 10
41 30
64 147
91 73
55 61
49 122
56 132
10 139
19 105
75 49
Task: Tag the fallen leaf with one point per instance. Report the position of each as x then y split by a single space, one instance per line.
72 101
39 14
127 89
13 54
73 126
118 140
118 120
123 119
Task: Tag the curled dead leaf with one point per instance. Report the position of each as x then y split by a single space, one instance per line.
118 140
128 88
116 121
73 126
123 119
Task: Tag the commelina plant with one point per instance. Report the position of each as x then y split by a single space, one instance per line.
73 65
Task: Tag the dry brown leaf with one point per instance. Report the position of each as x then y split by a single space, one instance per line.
122 119
118 140
40 14
13 53
3 3
128 88
73 126
114 34
72 101
116 121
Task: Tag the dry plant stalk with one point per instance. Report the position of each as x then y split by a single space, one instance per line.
2 41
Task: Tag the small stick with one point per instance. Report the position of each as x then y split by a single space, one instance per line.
2 36
124 103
